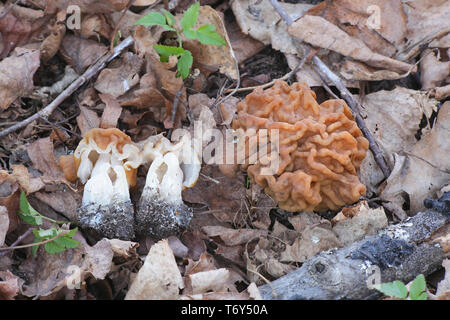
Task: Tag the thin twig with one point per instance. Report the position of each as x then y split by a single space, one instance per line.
35 243
324 83
345 94
89 74
285 77
15 243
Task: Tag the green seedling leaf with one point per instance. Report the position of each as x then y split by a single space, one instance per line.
207 35
53 247
184 64
417 288
154 19
28 213
190 34
190 16
166 51
393 289
170 18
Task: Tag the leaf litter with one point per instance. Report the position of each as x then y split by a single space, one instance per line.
238 238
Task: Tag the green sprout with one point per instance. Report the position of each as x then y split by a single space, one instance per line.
55 239
206 34
397 289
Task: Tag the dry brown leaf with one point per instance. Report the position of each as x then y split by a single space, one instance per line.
243 45
111 113
117 81
321 33
233 237
81 53
143 2
87 6
178 248
4 224
95 26
443 289
202 282
427 161
18 26
427 20
393 117
231 203
50 46
43 158
353 223
211 57
9 285
195 244
87 120
432 71
258 19
159 277
442 237
62 199
205 263
16 75
313 240
9 198
26 182
123 249
49 273
442 92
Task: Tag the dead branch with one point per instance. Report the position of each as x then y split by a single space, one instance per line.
397 252
87 75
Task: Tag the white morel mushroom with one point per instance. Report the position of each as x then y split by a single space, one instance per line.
174 166
106 161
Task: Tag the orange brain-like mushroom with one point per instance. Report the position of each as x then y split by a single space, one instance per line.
320 147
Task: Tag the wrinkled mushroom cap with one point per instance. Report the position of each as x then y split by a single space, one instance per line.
110 141
320 147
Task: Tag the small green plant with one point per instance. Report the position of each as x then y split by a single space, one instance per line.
397 289
55 239
206 34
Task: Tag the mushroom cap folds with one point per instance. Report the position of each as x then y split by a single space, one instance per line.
320 147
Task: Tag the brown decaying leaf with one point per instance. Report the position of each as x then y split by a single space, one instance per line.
321 33
259 20
211 57
4 224
49 273
50 46
159 277
205 263
433 71
16 75
111 113
9 285
87 120
94 27
233 237
230 206
427 161
87 6
393 117
18 26
81 53
202 282
43 158
353 223
243 45
117 81
9 197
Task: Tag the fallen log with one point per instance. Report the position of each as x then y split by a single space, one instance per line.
398 252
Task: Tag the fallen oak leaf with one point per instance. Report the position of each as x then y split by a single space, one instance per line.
16 75
111 113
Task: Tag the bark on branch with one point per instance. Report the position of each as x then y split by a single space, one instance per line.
397 253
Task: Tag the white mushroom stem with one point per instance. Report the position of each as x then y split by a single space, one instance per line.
164 179
100 189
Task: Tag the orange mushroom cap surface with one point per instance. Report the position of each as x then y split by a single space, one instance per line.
320 147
